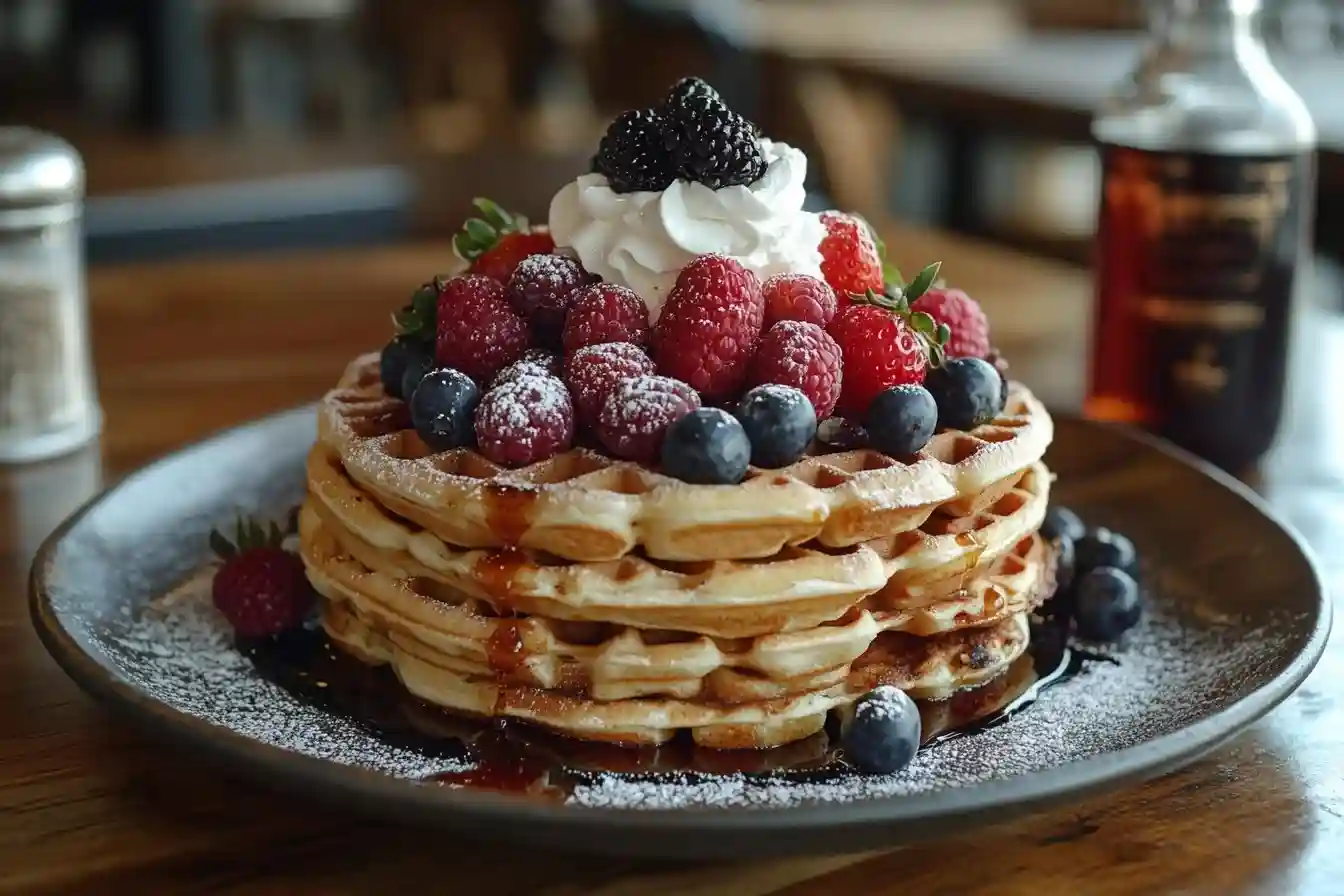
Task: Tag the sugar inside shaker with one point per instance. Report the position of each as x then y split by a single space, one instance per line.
48 397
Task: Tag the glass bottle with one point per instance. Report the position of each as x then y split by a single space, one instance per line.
1208 186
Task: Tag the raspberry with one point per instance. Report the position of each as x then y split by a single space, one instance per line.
638 412
260 589
710 326
963 316
496 242
804 356
798 297
534 362
850 261
879 350
541 289
525 420
594 371
605 312
479 333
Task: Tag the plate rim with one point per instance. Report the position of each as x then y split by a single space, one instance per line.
915 816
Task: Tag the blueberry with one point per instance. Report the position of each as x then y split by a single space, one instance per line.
1066 563
392 364
968 391
1102 547
443 408
901 420
419 362
883 733
1062 521
1106 604
779 421
707 447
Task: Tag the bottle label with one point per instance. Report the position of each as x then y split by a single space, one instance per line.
1197 259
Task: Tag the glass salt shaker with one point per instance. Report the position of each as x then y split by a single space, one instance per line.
48 400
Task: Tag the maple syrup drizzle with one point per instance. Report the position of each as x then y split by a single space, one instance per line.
505 649
508 511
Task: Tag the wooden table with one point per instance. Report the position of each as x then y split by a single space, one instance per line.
91 804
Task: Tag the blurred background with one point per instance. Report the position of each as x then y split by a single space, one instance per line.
256 125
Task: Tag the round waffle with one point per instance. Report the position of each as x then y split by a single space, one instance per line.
797 589
582 505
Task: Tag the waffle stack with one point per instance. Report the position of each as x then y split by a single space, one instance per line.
606 601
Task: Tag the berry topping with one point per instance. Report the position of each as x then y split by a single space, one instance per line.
969 393
1103 547
710 325
880 350
393 360
594 371
708 142
541 289
850 260
419 362
963 316
901 420
525 420
798 297
442 407
882 734
633 155
638 412
683 90
479 332
707 447
780 422
260 588
1062 521
495 243
605 312
804 356
1106 604
1066 567
534 362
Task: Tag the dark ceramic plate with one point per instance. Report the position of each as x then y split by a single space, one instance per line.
1236 619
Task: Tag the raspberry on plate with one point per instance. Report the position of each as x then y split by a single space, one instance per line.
963 316
479 332
524 421
804 356
879 350
638 412
710 325
541 289
496 242
798 297
850 261
605 312
594 371
260 589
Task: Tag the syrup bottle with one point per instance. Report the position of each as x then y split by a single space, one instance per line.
1208 169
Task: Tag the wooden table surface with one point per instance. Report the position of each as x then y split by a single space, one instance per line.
90 803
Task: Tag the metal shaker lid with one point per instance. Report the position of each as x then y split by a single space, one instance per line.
38 170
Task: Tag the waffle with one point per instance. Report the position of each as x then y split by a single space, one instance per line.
584 506
610 682
798 589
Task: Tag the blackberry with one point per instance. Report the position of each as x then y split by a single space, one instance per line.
632 154
711 144
686 88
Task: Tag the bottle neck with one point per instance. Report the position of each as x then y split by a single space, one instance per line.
1207 24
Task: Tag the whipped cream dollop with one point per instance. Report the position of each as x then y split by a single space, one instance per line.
642 240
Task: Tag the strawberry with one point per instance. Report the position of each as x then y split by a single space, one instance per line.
850 260
963 316
479 333
495 244
261 589
710 325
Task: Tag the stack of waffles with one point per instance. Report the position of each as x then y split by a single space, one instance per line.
603 600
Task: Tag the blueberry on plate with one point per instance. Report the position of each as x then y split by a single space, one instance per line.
707 447
419 362
443 408
968 391
883 732
780 423
1066 564
1062 521
392 364
1102 547
901 420
1107 604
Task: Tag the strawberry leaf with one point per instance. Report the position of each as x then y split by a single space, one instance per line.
495 216
923 280
222 547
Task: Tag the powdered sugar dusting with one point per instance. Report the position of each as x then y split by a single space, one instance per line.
524 420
